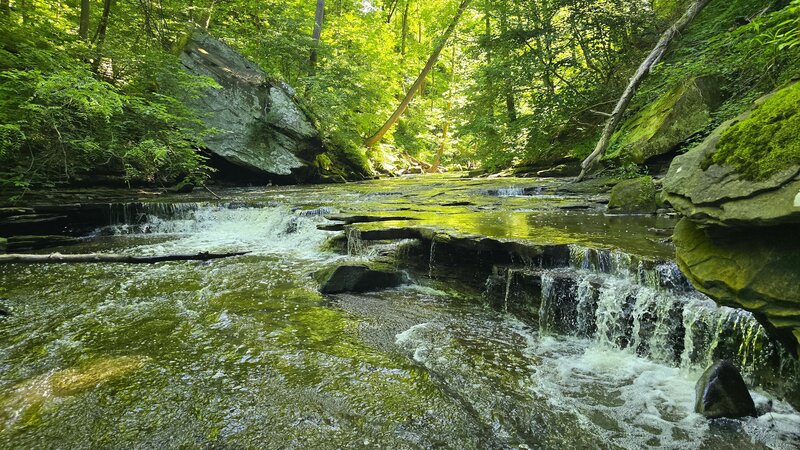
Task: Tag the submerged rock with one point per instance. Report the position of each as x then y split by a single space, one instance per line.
637 196
358 279
721 392
3 244
259 124
27 400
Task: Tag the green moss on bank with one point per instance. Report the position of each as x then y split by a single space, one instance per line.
767 141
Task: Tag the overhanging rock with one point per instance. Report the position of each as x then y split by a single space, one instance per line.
260 127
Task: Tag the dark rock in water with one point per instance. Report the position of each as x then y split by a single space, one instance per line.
721 392
358 279
636 196
259 124
3 244
5 311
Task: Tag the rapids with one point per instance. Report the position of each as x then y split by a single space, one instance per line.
245 353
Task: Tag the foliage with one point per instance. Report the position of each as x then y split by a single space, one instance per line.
68 118
766 142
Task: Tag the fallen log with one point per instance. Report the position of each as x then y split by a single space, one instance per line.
110 258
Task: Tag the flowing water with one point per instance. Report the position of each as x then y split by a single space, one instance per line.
245 353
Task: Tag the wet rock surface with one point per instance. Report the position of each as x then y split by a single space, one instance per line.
721 392
758 270
358 279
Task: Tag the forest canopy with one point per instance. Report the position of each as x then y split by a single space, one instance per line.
92 89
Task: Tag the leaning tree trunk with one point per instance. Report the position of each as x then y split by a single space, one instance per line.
652 59
420 79
319 16
110 258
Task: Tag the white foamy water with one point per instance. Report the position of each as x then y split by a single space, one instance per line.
221 228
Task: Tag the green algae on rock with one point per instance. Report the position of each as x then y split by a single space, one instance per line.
637 196
766 142
669 121
757 271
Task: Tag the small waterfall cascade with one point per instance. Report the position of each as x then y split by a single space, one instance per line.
648 308
255 228
355 245
510 192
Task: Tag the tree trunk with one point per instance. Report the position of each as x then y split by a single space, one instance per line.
446 127
83 26
100 35
428 66
405 29
652 59
319 17
110 258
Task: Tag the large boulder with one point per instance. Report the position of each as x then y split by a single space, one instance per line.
720 194
740 191
259 124
754 269
637 196
659 128
721 392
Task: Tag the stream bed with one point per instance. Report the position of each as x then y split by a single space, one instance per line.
246 353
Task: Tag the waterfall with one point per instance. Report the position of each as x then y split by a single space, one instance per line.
510 192
355 246
649 309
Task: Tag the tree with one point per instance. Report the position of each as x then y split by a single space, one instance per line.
652 59
374 139
319 16
83 26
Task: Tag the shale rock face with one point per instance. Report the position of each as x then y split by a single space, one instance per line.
259 125
721 392
740 244
667 122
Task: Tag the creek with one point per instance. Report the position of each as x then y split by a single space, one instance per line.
600 350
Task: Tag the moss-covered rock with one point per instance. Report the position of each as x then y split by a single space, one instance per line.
358 278
663 125
754 269
3 244
720 194
637 196
766 142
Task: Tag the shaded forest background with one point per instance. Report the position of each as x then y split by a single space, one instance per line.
90 86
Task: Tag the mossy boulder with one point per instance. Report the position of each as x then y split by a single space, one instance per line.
755 269
637 196
766 142
721 392
659 128
746 172
3 244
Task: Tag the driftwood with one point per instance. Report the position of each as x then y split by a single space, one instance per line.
652 59
110 258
